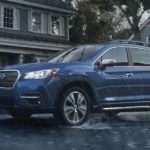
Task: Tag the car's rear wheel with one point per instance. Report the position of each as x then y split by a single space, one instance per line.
74 106
20 114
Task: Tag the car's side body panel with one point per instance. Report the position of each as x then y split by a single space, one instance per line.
115 84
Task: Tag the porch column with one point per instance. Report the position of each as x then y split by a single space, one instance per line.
21 59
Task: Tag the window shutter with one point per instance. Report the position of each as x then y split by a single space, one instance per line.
29 20
67 27
62 26
43 23
49 24
16 19
1 16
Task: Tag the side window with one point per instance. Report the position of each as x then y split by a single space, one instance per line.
118 54
140 57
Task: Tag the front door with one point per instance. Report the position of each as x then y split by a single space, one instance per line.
115 80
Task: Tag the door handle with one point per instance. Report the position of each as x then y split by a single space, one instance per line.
129 75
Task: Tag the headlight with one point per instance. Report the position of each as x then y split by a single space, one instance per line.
40 74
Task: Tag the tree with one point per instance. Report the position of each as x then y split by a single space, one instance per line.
87 25
132 10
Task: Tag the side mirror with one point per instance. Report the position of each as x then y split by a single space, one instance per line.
108 62
105 63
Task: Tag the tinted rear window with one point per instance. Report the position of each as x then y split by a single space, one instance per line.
140 57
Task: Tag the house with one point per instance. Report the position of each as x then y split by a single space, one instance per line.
144 31
32 30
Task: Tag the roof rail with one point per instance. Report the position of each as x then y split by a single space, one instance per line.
131 42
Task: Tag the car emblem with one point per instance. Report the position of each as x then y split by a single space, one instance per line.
2 76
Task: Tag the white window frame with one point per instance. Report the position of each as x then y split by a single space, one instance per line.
62 24
16 15
43 21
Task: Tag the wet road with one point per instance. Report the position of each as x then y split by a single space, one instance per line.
43 133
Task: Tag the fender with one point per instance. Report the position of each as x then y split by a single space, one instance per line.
76 78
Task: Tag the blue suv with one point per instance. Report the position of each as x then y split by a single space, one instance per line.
114 76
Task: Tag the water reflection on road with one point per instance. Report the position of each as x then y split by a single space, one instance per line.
96 121
102 121
126 131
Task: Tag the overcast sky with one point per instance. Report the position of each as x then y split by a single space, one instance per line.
145 16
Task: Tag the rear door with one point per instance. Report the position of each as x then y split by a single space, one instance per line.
141 73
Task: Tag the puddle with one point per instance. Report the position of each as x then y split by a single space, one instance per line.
94 122
98 122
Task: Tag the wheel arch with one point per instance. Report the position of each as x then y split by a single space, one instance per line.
78 81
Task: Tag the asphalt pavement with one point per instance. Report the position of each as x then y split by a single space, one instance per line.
41 132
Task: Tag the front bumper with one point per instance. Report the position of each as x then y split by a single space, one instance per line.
31 95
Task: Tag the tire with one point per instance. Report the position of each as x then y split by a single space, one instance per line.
74 107
20 114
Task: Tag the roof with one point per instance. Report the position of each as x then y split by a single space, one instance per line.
57 5
33 38
54 3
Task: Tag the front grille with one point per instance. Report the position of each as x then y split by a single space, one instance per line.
8 78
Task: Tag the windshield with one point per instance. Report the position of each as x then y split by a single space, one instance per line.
76 54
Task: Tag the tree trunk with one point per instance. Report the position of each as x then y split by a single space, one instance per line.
137 35
134 26
136 29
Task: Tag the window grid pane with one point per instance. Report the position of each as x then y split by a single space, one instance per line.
55 26
8 17
36 22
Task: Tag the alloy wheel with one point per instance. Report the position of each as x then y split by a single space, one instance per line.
75 107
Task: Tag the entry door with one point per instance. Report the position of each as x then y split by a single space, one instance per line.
115 81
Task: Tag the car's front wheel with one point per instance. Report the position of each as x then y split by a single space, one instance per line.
74 106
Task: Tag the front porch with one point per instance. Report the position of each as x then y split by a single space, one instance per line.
15 51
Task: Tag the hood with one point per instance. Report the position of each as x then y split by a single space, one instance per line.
39 66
